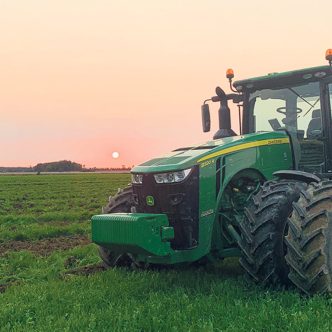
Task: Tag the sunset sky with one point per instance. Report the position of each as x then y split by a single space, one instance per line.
82 79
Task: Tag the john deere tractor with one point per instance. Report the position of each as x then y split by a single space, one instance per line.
263 194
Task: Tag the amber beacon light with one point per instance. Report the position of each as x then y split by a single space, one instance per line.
328 55
230 73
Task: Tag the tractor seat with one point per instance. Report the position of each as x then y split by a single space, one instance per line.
315 125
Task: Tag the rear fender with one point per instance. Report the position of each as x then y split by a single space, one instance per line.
297 176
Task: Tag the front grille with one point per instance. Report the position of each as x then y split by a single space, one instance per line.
179 201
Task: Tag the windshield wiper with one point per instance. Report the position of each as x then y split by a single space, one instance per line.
301 97
312 106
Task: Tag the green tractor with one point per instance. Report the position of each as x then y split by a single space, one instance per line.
263 195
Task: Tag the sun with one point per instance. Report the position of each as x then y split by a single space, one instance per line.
115 155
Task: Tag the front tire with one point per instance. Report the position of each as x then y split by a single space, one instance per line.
121 202
263 229
309 240
112 259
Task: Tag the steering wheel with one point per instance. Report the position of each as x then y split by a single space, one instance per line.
283 110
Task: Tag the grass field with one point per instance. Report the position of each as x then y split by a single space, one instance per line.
51 279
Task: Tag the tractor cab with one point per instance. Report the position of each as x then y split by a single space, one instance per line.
297 102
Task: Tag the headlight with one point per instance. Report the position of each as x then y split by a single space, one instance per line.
137 178
172 177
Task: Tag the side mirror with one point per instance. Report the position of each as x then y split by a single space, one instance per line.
221 93
206 121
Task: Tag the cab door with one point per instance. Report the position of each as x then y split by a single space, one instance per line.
326 93
305 114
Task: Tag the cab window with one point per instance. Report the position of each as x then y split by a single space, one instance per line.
296 109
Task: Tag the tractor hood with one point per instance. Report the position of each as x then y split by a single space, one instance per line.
187 157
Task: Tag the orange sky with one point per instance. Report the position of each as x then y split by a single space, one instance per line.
80 79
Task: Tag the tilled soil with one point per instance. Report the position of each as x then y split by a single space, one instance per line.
87 270
3 288
45 246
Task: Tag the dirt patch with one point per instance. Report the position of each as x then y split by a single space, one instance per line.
46 246
87 270
3 288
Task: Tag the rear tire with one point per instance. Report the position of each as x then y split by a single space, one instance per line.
121 202
309 240
263 229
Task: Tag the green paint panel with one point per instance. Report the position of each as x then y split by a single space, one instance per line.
138 233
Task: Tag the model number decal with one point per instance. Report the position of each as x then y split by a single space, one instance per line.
275 141
207 163
206 213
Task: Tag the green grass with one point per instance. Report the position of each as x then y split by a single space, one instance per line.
46 295
33 207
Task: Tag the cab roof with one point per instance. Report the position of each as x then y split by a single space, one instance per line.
277 80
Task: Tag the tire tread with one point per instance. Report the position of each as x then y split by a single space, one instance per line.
309 249
262 231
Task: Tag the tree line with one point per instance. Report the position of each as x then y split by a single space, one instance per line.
58 166
55 166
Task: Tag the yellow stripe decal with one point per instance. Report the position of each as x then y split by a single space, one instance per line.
246 146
